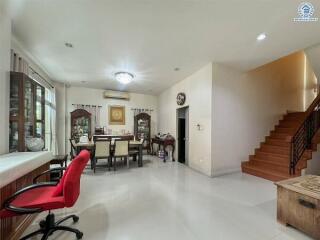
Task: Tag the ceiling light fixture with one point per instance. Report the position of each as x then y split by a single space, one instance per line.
124 77
261 36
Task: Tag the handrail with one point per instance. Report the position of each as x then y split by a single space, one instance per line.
310 109
302 137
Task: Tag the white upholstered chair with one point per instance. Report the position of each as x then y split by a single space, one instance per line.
102 151
121 150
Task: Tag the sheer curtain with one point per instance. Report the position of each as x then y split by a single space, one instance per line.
50 125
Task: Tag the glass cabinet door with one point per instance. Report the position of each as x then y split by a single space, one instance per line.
39 112
14 115
13 136
14 99
28 109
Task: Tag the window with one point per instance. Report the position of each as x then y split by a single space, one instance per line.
50 121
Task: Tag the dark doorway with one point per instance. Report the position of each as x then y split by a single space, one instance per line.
182 140
182 134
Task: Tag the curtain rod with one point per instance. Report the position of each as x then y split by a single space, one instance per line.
142 109
87 105
35 72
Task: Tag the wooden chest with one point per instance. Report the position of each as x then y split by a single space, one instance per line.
298 204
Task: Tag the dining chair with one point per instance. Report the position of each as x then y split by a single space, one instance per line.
121 149
73 149
135 152
101 151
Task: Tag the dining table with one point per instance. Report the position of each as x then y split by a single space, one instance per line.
133 144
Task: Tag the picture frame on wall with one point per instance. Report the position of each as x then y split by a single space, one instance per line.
117 115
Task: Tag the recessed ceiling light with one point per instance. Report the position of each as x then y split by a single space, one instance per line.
124 77
69 45
261 36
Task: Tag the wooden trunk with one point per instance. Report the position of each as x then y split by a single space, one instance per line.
12 228
299 208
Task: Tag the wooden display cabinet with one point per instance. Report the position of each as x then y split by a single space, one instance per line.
142 129
27 111
80 124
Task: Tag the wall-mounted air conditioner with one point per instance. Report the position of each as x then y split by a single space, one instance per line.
116 95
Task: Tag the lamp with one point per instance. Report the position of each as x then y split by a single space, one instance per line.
124 77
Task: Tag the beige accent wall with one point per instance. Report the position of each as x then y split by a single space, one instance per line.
246 106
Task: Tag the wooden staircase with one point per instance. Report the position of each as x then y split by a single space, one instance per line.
272 160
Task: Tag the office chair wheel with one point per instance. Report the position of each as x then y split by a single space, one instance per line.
42 224
79 235
75 219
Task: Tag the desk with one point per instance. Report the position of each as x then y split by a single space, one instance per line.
164 143
60 159
132 144
16 172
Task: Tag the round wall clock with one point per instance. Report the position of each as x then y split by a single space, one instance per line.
181 98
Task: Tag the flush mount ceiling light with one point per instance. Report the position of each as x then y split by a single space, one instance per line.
261 36
124 77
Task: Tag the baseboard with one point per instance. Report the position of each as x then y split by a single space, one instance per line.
225 171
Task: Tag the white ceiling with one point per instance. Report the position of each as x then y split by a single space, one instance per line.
152 37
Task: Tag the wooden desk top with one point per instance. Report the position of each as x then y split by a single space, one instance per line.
308 185
18 164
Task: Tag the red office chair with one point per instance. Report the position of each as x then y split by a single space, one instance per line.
47 196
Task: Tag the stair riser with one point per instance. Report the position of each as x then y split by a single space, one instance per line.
276 142
281 166
293 124
283 136
271 166
275 149
293 118
284 130
262 175
271 157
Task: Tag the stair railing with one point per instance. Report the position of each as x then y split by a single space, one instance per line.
301 140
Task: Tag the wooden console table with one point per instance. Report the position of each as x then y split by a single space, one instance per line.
298 204
17 171
164 143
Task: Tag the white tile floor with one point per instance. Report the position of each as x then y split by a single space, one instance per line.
170 201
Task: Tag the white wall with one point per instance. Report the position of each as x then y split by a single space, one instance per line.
313 165
244 111
5 39
33 63
197 88
78 95
61 115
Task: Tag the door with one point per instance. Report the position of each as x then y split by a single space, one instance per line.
182 134
182 140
